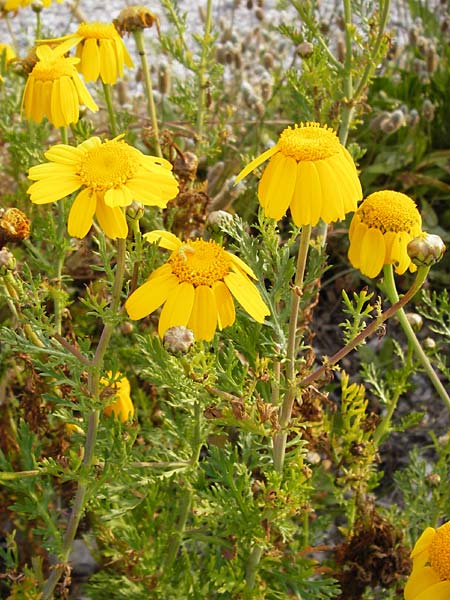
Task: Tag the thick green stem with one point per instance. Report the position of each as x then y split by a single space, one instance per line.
391 291
91 435
202 83
422 273
110 109
139 39
348 108
252 569
279 439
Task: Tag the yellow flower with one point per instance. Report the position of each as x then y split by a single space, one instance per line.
54 88
101 51
430 577
16 4
196 286
6 54
311 173
380 231
111 174
122 407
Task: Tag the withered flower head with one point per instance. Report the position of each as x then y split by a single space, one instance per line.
14 225
135 17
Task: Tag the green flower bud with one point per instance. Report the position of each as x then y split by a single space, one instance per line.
426 250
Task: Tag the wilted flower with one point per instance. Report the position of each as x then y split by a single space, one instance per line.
311 173
380 231
134 18
196 288
430 577
111 174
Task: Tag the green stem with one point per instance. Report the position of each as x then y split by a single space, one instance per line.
391 291
139 39
91 435
279 439
347 111
252 569
202 83
110 108
421 275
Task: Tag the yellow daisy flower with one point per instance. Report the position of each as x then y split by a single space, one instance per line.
16 4
430 577
196 288
54 88
122 407
311 173
101 51
380 231
111 174
6 54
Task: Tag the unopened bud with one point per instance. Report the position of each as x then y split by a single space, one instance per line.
415 321
426 250
428 344
268 60
164 79
178 340
7 261
433 479
305 49
428 110
413 117
37 6
217 219
432 58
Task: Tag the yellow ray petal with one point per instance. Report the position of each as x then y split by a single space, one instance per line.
45 170
64 155
348 175
165 239
164 269
150 295
120 196
247 294
152 163
81 214
438 591
399 252
267 178
420 580
83 94
177 309
143 191
242 265
203 319
111 219
306 205
226 313
356 239
281 188
255 163
332 200
108 64
372 252
90 60
52 189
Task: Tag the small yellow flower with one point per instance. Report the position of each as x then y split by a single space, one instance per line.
311 173
196 288
380 231
430 577
122 407
111 174
54 88
6 54
101 51
16 4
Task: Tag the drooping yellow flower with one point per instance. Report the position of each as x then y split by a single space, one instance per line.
111 174
196 288
54 88
121 407
380 231
430 577
311 173
101 51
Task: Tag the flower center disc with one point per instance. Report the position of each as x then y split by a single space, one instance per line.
53 68
200 263
110 165
98 31
309 142
440 552
390 211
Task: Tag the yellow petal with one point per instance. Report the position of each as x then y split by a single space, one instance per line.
255 163
83 94
119 196
372 252
306 205
226 313
38 107
358 232
177 309
399 252
242 265
247 294
163 270
81 214
349 179
165 239
108 64
111 219
438 591
65 102
203 319
64 155
45 170
154 189
90 60
332 200
419 580
51 189
150 295
276 186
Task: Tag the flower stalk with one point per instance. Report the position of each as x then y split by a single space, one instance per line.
110 108
202 82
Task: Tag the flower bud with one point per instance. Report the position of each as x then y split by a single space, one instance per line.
217 218
428 110
415 321
134 18
185 166
432 59
7 261
426 250
178 340
164 79
305 49
428 344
